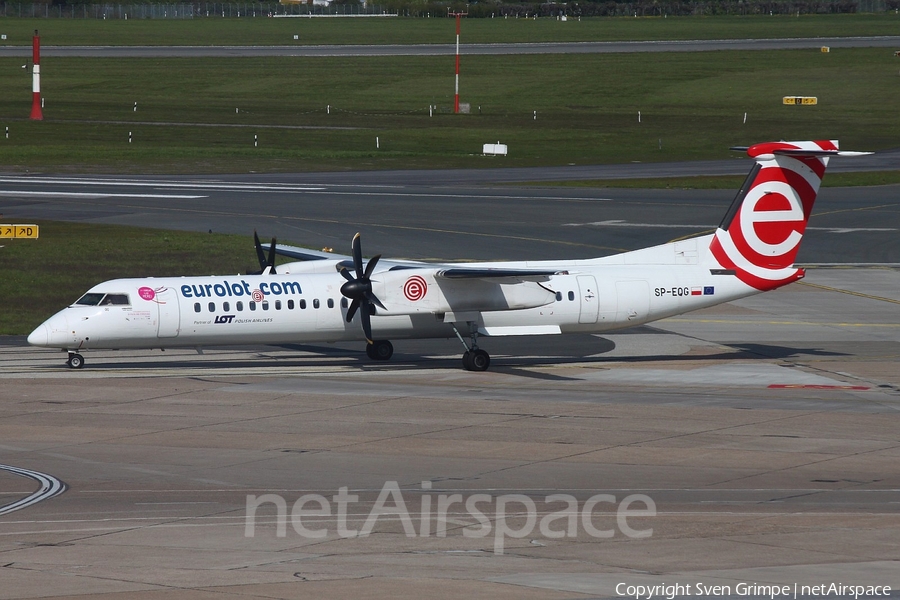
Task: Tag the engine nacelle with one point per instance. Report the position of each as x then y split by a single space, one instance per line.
414 291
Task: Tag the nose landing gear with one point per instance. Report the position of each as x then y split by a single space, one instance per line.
75 360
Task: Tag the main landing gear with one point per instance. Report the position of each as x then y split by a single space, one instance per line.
75 361
380 350
474 359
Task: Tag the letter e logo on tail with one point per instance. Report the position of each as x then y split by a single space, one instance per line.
761 235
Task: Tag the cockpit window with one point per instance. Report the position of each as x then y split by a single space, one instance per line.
115 299
95 299
90 299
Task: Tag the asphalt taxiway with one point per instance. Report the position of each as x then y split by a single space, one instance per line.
764 432
449 215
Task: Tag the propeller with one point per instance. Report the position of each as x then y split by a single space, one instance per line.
264 262
359 288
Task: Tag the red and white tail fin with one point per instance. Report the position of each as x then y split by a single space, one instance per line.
760 235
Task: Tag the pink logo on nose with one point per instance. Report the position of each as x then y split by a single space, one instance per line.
146 293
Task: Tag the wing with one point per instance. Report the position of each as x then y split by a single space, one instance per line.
341 260
298 253
498 275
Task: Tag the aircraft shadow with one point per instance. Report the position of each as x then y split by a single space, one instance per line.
509 356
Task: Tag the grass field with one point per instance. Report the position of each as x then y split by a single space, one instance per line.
40 279
265 31
691 104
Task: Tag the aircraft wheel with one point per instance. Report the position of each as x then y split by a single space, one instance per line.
380 350
476 360
76 361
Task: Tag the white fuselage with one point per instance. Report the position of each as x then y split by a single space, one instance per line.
303 303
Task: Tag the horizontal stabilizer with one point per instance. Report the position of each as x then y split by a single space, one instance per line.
770 150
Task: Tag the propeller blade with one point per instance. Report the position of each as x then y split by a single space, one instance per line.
259 251
366 322
374 300
357 256
352 310
370 266
359 288
271 261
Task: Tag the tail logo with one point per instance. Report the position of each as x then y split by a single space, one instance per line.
770 224
763 236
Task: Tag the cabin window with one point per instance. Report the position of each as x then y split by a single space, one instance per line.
303 305
252 305
559 296
343 303
330 303
316 303
290 305
197 307
115 300
212 307
278 305
239 305
571 296
265 305
226 306
89 300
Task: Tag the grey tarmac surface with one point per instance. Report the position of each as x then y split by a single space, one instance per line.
765 432
447 49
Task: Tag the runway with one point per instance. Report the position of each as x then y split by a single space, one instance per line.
449 49
763 433
450 215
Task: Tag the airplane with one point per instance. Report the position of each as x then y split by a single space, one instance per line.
324 297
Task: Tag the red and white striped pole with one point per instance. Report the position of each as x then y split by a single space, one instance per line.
36 113
456 91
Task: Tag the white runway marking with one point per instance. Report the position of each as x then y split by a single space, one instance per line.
622 223
95 195
50 487
214 185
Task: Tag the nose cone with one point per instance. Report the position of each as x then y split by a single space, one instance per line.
40 336
52 333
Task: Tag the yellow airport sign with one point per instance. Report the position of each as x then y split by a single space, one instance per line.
19 231
804 100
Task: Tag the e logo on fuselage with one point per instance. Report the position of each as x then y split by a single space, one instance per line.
415 288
